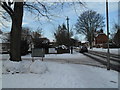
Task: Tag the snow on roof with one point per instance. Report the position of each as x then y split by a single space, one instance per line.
100 34
84 41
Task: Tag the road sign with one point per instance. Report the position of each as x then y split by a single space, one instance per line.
38 52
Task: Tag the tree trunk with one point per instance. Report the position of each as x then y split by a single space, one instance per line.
15 35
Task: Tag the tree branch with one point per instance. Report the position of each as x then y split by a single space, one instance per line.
7 8
35 8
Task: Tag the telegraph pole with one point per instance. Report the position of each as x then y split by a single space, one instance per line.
68 32
108 50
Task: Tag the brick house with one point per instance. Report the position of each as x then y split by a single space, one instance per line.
100 38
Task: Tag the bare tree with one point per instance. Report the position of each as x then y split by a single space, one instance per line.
61 35
16 14
114 30
37 33
4 19
15 11
88 22
116 38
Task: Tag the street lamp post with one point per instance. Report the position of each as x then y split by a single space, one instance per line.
108 51
68 32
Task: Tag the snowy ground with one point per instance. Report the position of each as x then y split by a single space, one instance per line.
112 50
53 74
57 75
75 58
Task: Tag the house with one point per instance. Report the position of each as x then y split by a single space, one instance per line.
4 43
74 42
52 43
100 38
85 43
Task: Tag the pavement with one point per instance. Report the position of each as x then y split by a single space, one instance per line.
79 59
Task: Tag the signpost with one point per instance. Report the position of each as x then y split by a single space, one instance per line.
38 52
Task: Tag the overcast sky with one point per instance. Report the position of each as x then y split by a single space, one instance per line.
72 12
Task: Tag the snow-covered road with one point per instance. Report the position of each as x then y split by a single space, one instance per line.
76 58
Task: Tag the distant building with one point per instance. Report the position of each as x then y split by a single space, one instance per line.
74 42
85 43
4 43
100 38
52 43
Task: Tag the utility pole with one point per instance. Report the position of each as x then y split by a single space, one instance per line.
108 51
68 32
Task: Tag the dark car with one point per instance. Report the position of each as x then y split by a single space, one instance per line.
83 49
62 49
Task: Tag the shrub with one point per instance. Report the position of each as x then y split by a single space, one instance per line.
24 47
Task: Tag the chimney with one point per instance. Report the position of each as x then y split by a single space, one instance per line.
101 30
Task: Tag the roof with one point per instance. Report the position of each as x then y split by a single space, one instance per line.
100 34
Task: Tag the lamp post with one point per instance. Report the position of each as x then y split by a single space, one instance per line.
107 24
68 32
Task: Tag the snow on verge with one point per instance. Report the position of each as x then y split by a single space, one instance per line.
37 67
10 67
63 76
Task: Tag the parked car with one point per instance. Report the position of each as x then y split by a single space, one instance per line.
83 49
62 49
